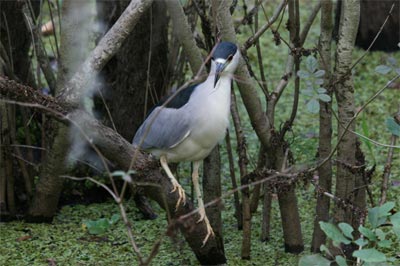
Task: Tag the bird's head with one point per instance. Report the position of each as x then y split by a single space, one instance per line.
225 59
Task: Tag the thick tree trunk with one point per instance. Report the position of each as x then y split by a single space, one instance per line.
212 191
49 187
344 91
289 211
135 75
74 87
144 55
325 128
261 124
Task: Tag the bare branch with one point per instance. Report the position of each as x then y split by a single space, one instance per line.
247 44
41 54
105 50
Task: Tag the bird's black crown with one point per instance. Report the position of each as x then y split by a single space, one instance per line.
224 50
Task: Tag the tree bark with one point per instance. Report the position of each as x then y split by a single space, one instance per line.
49 187
212 191
144 55
71 89
325 128
344 92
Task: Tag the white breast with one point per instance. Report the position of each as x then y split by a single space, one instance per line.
210 119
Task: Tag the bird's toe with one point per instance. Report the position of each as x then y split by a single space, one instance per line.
210 232
202 214
181 194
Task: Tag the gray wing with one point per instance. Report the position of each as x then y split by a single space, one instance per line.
163 128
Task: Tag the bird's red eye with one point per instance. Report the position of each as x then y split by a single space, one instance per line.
230 57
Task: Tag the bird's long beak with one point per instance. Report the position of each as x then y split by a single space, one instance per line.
218 70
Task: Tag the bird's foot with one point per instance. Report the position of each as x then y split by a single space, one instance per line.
204 218
210 231
181 193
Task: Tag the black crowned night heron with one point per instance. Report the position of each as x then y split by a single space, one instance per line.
188 125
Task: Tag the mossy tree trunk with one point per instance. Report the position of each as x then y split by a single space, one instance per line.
49 187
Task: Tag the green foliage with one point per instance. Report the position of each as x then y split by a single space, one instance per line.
382 224
370 255
313 78
391 66
365 129
393 126
100 226
334 233
341 261
314 260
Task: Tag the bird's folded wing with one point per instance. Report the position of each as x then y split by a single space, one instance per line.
164 128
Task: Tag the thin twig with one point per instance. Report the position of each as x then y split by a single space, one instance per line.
352 120
391 146
375 38
250 41
40 52
388 165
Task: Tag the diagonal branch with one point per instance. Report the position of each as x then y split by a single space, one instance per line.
105 50
115 148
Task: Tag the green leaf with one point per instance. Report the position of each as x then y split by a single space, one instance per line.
319 81
311 64
314 260
396 230
340 261
319 73
395 219
383 69
373 217
324 248
324 97
333 233
370 255
365 129
385 243
367 233
309 92
97 227
313 106
392 126
386 208
115 218
303 74
361 242
377 216
321 90
380 234
392 61
346 229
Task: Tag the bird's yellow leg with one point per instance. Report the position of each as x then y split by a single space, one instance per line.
202 211
176 185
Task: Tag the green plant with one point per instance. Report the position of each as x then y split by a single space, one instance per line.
100 226
391 65
313 78
378 234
